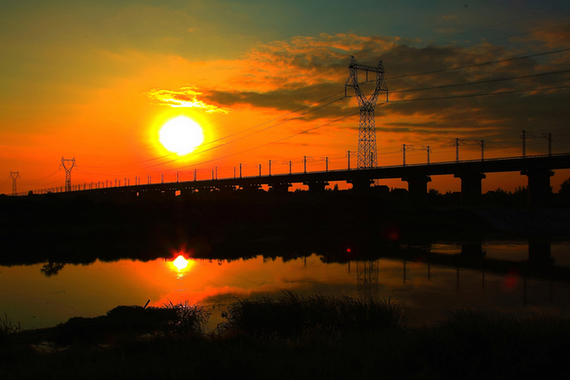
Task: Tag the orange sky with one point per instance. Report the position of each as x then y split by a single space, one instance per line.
95 81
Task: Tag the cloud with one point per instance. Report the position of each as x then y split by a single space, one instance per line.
434 90
184 97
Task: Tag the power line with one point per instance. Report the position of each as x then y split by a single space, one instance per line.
275 141
483 94
518 35
480 64
485 81
501 23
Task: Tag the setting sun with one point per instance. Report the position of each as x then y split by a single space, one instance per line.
180 262
181 135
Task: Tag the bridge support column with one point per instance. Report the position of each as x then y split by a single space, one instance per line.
316 186
470 187
205 189
279 188
186 192
251 188
361 185
472 250
539 189
417 185
539 251
227 189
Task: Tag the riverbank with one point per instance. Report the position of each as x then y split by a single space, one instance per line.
311 337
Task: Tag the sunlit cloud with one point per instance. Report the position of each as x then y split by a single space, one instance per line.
305 76
185 97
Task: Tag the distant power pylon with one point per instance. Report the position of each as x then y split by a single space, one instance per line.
367 151
14 176
68 170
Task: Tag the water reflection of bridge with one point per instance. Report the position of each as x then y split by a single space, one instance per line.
537 168
539 265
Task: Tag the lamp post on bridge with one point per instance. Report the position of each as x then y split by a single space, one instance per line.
428 150
404 148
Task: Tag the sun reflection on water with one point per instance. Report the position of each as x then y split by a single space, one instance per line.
181 265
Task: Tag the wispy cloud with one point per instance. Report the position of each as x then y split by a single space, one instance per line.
184 97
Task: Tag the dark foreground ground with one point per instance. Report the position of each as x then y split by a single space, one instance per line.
288 338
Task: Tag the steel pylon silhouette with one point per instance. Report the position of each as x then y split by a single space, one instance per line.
367 151
14 176
68 171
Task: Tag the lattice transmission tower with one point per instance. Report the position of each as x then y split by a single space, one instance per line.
367 151
68 170
14 176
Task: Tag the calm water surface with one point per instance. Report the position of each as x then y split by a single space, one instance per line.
428 288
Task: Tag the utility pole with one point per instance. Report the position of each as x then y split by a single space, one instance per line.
367 151
481 143
404 148
348 155
14 176
240 170
326 160
305 164
65 163
548 136
260 170
269 167
290 166
428 150
457 143
523 137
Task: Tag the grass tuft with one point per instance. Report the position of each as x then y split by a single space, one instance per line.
293 315
7 329
190 319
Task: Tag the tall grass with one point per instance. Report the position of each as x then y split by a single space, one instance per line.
304 337
190 319
7 328
294 315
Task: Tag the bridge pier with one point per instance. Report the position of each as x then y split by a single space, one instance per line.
417 185
205 189
316 186
539 189
227 189
361 185
539 251
470 187
472 250
251 188
279 187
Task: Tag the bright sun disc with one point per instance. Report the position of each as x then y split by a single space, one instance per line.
181 135
180 262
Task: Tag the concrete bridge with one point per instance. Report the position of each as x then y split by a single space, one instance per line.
538 169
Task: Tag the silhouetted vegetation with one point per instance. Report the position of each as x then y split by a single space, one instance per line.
289 338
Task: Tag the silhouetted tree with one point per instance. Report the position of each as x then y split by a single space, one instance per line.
565 188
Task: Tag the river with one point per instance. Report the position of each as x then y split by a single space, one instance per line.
495 277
